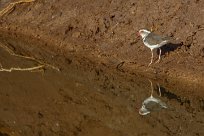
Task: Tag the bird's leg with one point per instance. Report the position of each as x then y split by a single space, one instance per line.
151 57
159 56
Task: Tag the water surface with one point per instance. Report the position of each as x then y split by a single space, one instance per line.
75 102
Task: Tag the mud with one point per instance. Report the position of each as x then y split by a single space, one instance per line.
105 32
104 75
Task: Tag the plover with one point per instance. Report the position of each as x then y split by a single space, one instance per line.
153 41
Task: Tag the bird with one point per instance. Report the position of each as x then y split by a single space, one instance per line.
153 41
152 103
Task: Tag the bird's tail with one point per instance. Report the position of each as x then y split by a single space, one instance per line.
172 40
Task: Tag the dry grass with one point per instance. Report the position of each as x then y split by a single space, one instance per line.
11 6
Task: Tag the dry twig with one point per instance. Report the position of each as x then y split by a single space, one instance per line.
22 69
8 9
11 6
11 52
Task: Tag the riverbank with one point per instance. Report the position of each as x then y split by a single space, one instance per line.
104 34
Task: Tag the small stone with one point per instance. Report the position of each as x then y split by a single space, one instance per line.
56 127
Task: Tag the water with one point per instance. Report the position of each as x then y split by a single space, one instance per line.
75 101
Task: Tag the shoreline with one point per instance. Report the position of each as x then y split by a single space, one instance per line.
104 33
189 78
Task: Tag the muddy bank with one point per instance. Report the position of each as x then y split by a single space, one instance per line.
104 32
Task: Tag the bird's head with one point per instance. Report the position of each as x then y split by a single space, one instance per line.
143 33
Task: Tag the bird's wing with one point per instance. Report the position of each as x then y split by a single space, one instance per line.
154 39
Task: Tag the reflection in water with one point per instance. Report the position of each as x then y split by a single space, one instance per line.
152 103
83 101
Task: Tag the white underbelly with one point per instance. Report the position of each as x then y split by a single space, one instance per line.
156 45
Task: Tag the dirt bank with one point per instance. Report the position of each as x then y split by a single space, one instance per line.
104 32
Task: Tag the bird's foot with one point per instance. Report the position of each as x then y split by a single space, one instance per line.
157 61
149 64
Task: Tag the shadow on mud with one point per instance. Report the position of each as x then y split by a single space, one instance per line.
169 48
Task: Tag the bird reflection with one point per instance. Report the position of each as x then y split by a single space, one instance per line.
151 103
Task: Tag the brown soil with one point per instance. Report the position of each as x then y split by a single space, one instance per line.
105 32
98 38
